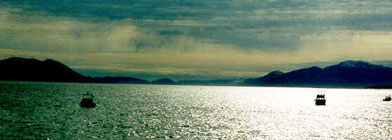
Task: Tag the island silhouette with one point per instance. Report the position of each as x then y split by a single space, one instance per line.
357 74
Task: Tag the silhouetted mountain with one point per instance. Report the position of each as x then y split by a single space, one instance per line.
381 86
348 73
301 76
211 82
345 74
357 73
109 79
269 76
164 81
22 69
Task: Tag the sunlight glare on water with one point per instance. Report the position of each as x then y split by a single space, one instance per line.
51 110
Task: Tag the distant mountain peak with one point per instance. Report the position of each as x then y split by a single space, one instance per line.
50 60
310 69
314 67
275 73
164 81
272 75
357 64
19 59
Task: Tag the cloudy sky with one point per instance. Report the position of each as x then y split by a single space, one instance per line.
194 38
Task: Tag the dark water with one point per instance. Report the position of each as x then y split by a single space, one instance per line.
51 111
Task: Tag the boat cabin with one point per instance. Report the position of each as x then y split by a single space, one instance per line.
320 96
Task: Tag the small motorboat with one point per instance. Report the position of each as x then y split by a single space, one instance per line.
320 99
387 98
87 101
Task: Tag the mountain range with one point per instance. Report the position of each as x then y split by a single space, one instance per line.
345 74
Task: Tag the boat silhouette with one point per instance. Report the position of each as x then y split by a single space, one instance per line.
320 99
387 98
87 101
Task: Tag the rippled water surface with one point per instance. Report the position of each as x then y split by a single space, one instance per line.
51 111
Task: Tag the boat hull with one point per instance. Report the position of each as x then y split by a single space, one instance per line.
320 102
87 103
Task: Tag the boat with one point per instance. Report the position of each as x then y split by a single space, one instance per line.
320 99
87 101
387 98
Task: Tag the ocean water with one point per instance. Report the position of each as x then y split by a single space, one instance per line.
51 111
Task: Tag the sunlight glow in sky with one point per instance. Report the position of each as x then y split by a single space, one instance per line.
200 38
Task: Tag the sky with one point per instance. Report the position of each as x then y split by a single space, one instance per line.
195 39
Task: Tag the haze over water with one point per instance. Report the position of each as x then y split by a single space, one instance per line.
51 110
